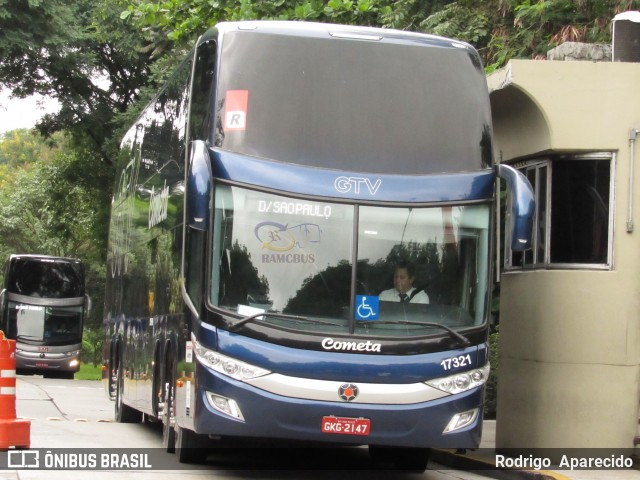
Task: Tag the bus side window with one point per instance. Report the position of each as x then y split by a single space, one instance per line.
202 91
195 259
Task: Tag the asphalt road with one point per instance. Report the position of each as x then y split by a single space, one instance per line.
72 426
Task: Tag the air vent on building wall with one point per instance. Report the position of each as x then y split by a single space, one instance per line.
626 37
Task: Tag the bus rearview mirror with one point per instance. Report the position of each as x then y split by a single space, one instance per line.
199 186
522 206
88 303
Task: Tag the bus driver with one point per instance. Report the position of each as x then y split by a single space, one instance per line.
403 290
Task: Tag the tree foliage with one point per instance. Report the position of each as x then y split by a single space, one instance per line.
79 53
529 28
22 147
499 29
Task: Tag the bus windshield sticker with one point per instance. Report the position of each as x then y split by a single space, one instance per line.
295 208
30 321
368 307
280 237
248 310
235 110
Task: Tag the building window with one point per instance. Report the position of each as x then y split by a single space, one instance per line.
573 227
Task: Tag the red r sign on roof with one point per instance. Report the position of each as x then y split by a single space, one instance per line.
235 110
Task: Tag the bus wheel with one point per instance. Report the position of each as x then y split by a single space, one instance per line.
112 378
190 446
124 413
157 390
410 459
168 409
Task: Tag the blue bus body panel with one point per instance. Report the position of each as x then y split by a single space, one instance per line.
273 416
338 366
458 187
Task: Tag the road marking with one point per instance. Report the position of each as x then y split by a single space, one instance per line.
77 420
75 388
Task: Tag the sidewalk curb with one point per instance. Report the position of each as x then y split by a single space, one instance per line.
468 462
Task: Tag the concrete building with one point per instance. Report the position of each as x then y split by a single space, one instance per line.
570 308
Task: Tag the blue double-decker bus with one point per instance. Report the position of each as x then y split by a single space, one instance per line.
301 243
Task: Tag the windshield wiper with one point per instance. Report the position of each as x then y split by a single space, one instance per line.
465 341
255 316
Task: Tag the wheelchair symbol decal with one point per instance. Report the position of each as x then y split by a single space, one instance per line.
367 307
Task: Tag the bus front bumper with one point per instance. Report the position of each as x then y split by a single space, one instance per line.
225 407
44 362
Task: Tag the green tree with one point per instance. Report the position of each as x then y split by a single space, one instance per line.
529 28
92 342
499 29
80 53
460 21
22 147
186 19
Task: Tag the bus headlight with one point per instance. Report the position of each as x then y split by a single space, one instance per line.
225 405
461 382
231 367
461 420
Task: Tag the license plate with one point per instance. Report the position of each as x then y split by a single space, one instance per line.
346 426
42 365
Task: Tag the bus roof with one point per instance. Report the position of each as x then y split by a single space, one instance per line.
33 256
352 98
322 30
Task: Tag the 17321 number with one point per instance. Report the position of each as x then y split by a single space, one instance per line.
456 362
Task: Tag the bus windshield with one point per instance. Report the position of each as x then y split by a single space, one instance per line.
36 324
320 102
45 278
291 256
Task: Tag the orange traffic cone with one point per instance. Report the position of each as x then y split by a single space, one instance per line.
14 432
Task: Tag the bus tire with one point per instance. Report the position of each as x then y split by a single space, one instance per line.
112 375
123 412
168 405
191 447
157 390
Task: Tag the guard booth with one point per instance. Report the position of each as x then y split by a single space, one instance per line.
569 364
